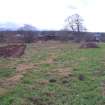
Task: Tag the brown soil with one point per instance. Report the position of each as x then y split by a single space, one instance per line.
12 50
89 45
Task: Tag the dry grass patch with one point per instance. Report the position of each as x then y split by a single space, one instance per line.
47 61
3 91
11 81
43 82
23 68
83 59
62 72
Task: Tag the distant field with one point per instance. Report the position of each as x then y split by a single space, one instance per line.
54 73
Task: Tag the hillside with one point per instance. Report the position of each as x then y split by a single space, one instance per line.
10 26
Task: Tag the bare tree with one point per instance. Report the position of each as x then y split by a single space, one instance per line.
75 23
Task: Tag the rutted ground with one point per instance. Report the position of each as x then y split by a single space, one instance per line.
54 73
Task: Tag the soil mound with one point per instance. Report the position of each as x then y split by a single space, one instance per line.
89 45
12 50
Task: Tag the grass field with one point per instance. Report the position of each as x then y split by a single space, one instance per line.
54 73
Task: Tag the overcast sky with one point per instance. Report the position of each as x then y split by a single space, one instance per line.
50 14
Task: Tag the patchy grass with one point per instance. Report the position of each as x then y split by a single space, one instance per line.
6 72
57 74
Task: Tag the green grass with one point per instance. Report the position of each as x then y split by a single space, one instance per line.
6 72
29 91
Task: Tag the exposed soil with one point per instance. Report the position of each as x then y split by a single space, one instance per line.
12 50
89 45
